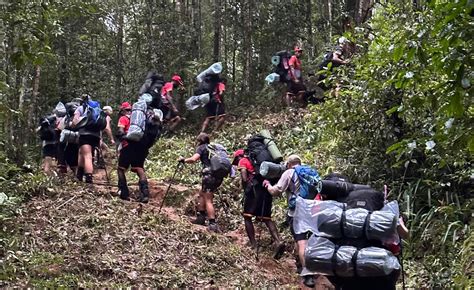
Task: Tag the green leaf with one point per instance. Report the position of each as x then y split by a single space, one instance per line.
398 52
394 147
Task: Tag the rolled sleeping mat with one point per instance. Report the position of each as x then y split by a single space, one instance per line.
68 136
322 256
215 68
272 147
270 170
137 121
273 77
195 102
335 190
356 223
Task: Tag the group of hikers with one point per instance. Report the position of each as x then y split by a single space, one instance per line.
76 129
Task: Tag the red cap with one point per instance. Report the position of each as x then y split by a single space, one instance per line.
177 79
238 153
125 106
297 48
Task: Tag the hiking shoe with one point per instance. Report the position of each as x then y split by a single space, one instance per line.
213 228
308 281
200 220
279 251
144 191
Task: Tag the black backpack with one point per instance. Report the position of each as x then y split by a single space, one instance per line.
154 82
258 152
282 67
152 131
207 86
327 58
47 128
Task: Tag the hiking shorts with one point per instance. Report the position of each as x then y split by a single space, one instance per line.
67 154
257 202
297 237
133 155
49 150
214 109
92 140
380 283
295 88
210 183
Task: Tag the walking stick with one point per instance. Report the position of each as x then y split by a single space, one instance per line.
169 186
401 264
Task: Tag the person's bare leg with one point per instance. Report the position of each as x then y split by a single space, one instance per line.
220 122
250 229
208 200
205 124
47 164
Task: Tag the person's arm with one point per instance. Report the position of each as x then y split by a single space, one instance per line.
108 130
77 118
191 159
281 185
402 229
336 58
243 177
292 64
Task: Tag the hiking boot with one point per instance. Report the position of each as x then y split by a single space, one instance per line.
123 191
144 192
213 228
279 251
88 178
200 220
308 281
80 173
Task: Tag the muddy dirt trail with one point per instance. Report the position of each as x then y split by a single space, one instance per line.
283 269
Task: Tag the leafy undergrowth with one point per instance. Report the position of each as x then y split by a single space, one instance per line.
83 237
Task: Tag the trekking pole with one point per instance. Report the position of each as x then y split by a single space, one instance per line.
169 186
401 264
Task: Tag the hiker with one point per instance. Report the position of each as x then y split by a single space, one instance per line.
210 183
68 149
215 109
89 136
289 182
132 154
170 112
296 89
108 128
257 203
48 135
339 56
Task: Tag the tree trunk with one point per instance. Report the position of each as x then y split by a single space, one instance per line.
309 23
119 59
217 28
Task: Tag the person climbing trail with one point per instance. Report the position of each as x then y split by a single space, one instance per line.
89 135
290 182
215 109
210 183
49 134
168 107
133 153
332 59
257 203
68 148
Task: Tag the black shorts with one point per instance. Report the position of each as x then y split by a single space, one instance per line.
168 113
297 237
376 283
295 88
258 202
214 109
92 140
50 150
67 154
133 155
210 183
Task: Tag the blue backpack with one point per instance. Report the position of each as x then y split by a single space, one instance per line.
310 184
96 120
